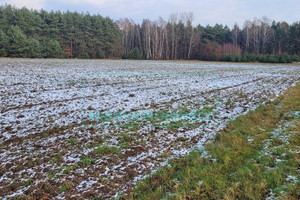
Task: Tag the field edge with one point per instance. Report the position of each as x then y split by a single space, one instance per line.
255 157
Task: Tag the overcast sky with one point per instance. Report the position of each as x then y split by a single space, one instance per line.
205 11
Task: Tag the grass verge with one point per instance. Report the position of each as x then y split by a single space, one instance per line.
255 157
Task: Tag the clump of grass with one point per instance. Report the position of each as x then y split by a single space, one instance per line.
87 161
55 129
55 159
165 154
125 145
125 138
27 183
125 141
131 126
48 188
72 140
32 162
50 118
51 176
67 169
66 187
58 158
182 139
208 109
174 125
106 150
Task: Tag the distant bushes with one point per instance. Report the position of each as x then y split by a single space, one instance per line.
134 54
268 58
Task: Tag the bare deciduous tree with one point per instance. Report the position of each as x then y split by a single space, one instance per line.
266 32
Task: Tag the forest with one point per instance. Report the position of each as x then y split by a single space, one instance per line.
55 34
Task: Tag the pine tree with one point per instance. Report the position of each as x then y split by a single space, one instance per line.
52 49
34 49
17 42
3 44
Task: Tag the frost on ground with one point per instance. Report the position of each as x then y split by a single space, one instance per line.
45 150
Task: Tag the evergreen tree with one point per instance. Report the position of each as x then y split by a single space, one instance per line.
3 44
52 49
135 54
34 49
17 42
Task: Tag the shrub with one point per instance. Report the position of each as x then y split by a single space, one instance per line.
135 54
264 58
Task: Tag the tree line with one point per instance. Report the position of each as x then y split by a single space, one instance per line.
259 40
32 33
